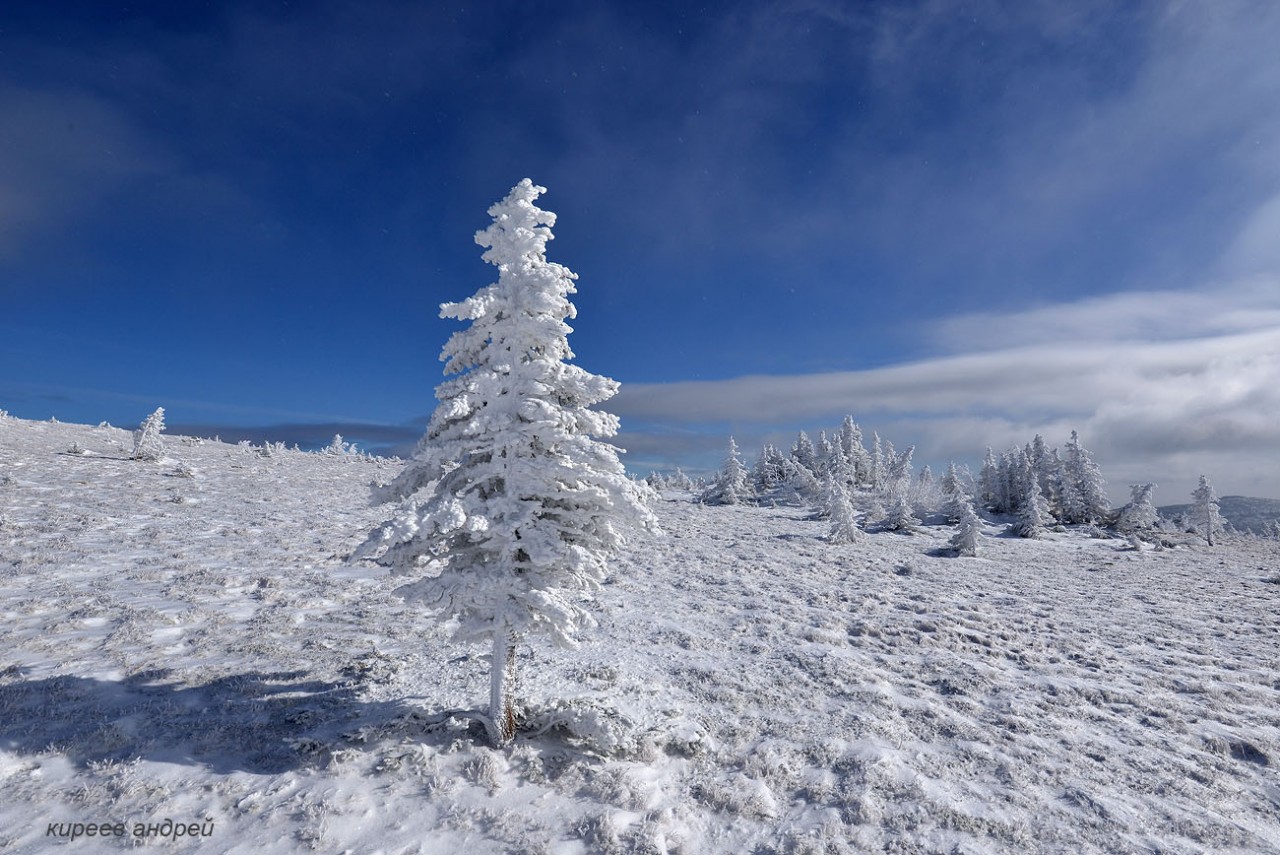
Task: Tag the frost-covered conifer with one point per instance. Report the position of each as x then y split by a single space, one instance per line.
1084 491
1042 466
804 487
844 523
770 470
925 478
898 513
877 466
1140 514
730 486
804 453
821 454
954 499
850 442
147 444
1033 514
1203 515
926 496
512 507
840 468
989 482
968 526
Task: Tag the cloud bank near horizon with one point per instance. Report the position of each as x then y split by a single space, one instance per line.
1162 385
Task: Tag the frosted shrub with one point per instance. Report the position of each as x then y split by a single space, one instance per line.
147 444
511 506
339 447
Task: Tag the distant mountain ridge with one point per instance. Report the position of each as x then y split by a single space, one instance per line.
1245 513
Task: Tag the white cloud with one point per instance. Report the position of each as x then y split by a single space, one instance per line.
1160 385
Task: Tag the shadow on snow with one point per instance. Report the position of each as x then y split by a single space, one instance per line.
264 723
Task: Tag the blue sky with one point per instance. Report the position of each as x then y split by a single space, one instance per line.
962 222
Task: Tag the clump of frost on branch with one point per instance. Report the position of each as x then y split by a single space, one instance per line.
510 497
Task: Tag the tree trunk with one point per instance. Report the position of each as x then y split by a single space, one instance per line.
502 675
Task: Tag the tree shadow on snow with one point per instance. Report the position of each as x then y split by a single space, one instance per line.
264 723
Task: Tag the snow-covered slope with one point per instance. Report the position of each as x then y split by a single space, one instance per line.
196 649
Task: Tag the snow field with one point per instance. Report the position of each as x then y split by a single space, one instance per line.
193 647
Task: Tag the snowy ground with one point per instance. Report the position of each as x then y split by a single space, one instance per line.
196 649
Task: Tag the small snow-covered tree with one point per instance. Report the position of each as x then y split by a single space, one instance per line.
804 488
1033 514
1140 514
147 444
730 486
989 482
954 499
844 522
850 441
839 468
899 515
876 464
1084 491
968 526
1203 515
770 470
512 506
804 453
822 454
926 494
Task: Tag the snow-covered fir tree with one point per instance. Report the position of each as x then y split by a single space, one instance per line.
989 482
731 486
1203 515
926 494
835 481
1033 513
898 514
800 483
839 469
804 453
844 521
954 499
876 464
147 444
770 471
1140 514
968 526
1087 491
679 480
1043 469
850 441
512 507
